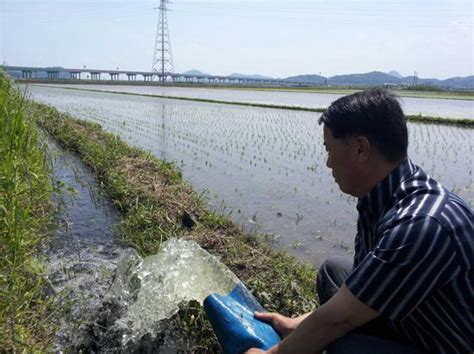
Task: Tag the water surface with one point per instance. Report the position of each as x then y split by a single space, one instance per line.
411 105
265 168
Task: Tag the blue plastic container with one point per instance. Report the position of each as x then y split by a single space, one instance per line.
232 317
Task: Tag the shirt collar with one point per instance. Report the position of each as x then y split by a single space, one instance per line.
375 201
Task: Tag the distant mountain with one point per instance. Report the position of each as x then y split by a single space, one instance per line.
308 79
395 74
195 72
377 78
255 76
372 78
453 82
369 79
460 82
419 81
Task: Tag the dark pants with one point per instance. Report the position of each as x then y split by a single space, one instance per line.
375 336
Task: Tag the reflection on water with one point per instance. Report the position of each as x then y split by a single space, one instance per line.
87 218
265 168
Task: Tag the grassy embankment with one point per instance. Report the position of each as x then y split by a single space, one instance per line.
411 118
156 204
25 216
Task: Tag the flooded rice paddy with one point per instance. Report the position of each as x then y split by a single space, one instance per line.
411 105
265 168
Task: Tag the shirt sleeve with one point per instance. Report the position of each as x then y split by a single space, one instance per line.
413 258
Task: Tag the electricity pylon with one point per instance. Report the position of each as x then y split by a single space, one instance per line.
162 56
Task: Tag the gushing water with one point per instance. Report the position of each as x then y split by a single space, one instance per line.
152 288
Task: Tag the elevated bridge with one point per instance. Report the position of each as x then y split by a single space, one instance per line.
52 73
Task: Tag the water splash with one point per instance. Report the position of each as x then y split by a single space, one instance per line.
110 298
152 288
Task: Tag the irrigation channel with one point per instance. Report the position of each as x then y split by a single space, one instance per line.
112 299
264 167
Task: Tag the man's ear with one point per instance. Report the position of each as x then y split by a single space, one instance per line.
362 147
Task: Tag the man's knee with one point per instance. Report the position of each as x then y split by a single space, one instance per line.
335 269
332 274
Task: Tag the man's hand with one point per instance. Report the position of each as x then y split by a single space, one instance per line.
255 351
283 325
315 331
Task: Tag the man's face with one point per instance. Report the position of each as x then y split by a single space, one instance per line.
342 160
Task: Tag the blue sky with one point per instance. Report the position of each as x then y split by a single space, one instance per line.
275 38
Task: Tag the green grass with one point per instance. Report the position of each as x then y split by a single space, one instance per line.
464 122
25 216
446 95
153 199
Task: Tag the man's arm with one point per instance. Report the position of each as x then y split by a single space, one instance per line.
340 315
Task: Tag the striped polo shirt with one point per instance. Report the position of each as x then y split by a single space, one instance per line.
413 263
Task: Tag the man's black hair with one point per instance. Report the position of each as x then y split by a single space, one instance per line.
375 114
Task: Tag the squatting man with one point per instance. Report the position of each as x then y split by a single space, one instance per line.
409 287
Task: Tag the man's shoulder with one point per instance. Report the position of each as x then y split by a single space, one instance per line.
420 195
421 199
